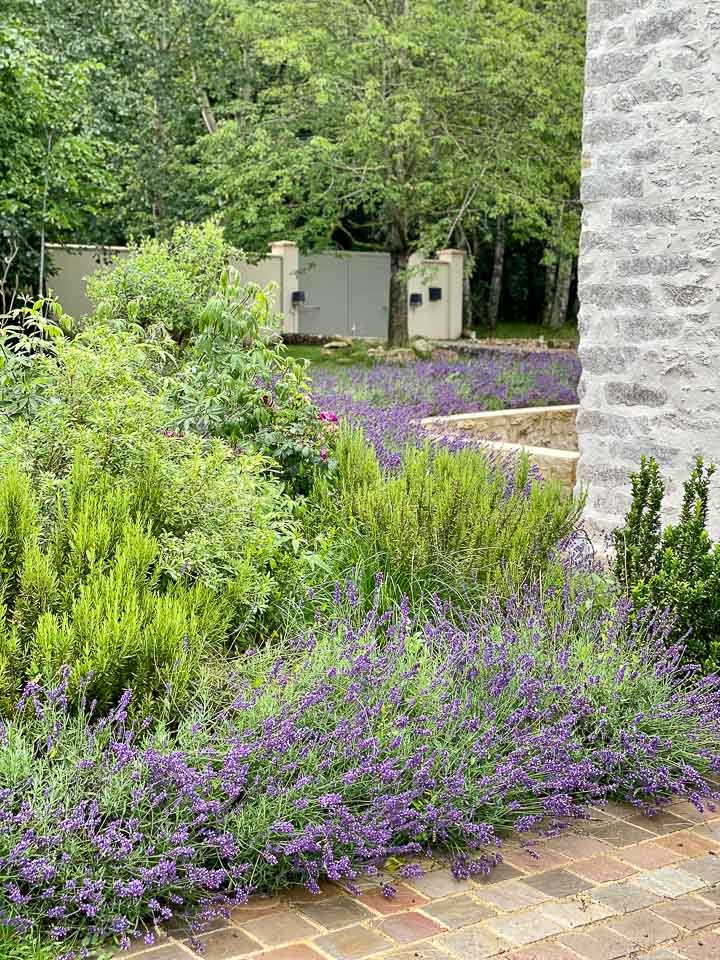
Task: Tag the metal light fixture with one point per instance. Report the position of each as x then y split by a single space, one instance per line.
415 300
434 293
298 297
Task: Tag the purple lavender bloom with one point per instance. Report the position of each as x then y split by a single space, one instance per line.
377 735
389 401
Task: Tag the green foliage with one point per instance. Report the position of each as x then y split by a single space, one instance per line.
265 114
84 588
219 516
126 380
377 137
52 158
453 523
675 568
232 377
12 947
236 381
101 394
164 282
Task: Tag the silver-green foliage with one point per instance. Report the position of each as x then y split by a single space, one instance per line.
456 523
84 589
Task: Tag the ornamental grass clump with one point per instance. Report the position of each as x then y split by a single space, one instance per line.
369 739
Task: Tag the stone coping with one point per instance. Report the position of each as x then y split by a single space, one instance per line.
546 434
479 416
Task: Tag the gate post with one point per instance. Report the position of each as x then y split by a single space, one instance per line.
290 256
455 259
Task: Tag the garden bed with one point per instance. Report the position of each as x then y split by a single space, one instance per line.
391 402
251 638
546 434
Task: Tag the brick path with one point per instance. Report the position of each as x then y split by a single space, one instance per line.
620 885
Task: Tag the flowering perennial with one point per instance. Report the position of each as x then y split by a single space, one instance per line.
371 735
388 401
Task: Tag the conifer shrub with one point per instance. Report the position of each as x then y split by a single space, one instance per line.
676 567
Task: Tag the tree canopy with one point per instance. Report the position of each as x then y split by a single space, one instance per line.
388 124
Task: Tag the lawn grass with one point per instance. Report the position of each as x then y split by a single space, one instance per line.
505 331
358 356
529 331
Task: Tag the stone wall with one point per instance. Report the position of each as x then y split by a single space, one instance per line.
650 249
546 434
528 426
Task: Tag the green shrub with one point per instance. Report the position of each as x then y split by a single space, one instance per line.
452 523
237 381
675 568
102 394
220 517
165 282
231 376
85 588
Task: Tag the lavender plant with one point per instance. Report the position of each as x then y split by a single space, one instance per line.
388 401
369 736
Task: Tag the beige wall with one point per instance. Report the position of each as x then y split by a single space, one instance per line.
439 320
264 273
72 265
431 319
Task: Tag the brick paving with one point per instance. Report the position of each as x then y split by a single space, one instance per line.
617 886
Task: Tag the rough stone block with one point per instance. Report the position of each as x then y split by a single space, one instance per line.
600 360
655 265
637 215
687 296
615 67
602 10
603 185
658 90
613 296
609 129
661 26
634 394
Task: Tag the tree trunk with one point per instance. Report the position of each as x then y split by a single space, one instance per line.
206 111
467 304
493 307
399 257
398 323
562 293
550 287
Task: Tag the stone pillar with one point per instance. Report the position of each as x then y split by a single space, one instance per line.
290 254
650 248
455 260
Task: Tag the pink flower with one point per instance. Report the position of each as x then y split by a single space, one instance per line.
323 454
327 416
